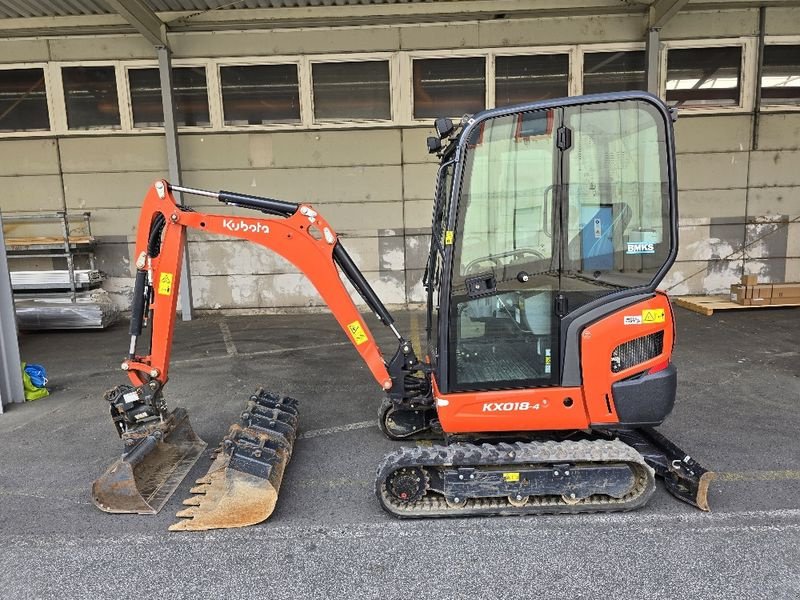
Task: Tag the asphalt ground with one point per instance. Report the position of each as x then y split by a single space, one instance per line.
737 412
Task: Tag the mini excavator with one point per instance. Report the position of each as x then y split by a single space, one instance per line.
548 359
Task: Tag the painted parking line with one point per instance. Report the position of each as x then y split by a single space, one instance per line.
338 429
205 359
735 476
227 337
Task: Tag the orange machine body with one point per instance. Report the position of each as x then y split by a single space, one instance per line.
567 408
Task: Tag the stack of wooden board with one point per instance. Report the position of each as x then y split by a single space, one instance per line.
747 294
752 293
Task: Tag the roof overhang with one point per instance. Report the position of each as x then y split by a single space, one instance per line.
308 13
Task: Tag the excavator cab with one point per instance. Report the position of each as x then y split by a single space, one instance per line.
546 214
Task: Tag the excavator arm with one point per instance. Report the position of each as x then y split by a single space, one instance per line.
303 237
160 445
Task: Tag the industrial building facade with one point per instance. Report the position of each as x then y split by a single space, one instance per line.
331 105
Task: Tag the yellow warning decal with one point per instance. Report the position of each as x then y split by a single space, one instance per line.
548 360
357 332
165 284
510 477
448 238
653 315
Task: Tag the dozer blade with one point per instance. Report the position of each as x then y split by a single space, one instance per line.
684 477
158 458
241 486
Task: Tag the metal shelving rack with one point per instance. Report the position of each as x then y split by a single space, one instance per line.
66 246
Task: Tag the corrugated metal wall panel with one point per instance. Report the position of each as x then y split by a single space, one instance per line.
13 9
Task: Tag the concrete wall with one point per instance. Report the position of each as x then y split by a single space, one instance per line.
375 184
735 202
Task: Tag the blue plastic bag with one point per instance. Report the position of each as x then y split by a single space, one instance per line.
37 374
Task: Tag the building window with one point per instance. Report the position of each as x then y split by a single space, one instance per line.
23 100
780 78
614 72
90 94
528 78
260 94
189 92
351 90
449 87
704 76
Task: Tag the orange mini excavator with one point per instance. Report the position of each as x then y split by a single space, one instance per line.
548 345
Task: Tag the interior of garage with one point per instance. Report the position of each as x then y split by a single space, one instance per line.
331 103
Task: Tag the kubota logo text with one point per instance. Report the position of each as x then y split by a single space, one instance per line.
242 225
508 406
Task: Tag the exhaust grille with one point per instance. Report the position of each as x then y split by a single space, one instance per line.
637 351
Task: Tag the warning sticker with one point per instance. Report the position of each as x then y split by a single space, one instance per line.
357 332
510 477
632 319
448 238
165 284
653 315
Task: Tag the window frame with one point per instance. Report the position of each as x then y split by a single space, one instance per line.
48 88
394 96
400 83
747 71
177 63
123 104
782 40
569 50
583 49
488 74
254 61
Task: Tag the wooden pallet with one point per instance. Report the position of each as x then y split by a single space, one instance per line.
75 240
706 305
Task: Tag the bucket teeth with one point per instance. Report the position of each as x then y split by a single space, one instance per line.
242 484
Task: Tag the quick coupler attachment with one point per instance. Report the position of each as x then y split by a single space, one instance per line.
241 486
157 457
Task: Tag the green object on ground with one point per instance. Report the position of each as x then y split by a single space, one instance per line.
32 391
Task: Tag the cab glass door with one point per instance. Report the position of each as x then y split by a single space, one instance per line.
503 332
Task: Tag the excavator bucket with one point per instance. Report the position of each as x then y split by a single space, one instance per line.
155 462
241 486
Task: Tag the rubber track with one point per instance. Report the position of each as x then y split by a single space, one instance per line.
514 455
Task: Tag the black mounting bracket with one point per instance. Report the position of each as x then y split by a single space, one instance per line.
402 368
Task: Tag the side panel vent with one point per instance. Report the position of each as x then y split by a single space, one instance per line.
637 351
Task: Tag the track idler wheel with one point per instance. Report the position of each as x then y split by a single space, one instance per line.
242 485
408 484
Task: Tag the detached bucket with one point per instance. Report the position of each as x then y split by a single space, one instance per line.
241 486
145 477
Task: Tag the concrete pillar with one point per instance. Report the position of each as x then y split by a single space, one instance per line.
174 166
652 64
10 374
